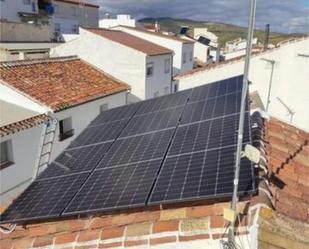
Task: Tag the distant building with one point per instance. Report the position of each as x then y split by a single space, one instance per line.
68 90
237 47
203 32
182 48
69 15
109 22
145 66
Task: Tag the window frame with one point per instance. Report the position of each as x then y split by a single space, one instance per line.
65 134
9 154
149 65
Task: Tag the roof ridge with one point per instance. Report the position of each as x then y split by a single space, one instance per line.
36 61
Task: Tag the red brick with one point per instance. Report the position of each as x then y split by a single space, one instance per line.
162 240
147 216
110 245
218 208
112 233
65 238
18 233
76 225
43 241
101 222
135 242
193 237
196 212
165 226
217 221
23 243
122 220
86 247
38 231
89 235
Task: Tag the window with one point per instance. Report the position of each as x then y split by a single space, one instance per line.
6 154
65 129
26 2
191 55
156 94
167 65
149 69
56 8
184 57
74 29
57 27
104 107
175 87
33 6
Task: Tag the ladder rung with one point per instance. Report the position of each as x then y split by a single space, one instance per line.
46 153
47 133
48 143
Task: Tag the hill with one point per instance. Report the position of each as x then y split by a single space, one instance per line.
225 32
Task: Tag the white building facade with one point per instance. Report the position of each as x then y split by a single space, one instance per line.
123 19
148 74
183 49
289 85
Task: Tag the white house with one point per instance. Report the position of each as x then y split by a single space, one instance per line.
182 48
68 90
281 73
20 132
69 15
145 66
124 19
237 47
198 32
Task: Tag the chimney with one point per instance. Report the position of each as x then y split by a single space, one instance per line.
266 39
157 27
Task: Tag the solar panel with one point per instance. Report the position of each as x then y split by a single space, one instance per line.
173 148
139 148
164 102
118 113
116 187
153 121
44 199
200 175
99 133
209 134
183 30
76 160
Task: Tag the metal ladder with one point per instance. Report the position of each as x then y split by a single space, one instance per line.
46 146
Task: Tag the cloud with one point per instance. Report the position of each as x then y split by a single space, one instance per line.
283 15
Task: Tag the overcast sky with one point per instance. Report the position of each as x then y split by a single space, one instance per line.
283 15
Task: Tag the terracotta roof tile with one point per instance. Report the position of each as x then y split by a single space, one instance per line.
79 2
22 125
60 82
131 41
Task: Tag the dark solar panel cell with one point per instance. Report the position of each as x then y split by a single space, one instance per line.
76 160
153 121
212 108
44 199
200 175
133 149
164 102
99 133
208 134
117 113
116 187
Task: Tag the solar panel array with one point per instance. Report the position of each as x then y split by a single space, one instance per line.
173 148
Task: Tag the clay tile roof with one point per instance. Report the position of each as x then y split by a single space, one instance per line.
131 41
22 125
79 2
59 82
174 38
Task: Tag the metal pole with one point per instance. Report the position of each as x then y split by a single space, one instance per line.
270 83
231 236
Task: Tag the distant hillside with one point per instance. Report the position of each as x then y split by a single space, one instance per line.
225 32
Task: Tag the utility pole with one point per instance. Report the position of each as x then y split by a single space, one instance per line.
231 235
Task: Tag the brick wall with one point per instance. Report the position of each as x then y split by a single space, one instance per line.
152 227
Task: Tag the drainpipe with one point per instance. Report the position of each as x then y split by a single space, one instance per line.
272 62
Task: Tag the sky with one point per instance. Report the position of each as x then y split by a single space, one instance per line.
288 16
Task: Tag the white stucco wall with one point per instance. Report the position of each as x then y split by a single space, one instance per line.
178 47
15 178
122 62
81 116
9 9
120 20
159 81
201 52
290 79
